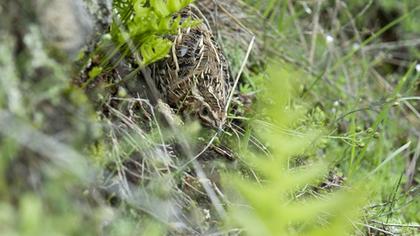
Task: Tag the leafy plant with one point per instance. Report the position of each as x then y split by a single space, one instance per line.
371 130
147 23
279 200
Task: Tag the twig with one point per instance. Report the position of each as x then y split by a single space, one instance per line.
314 33
417 226
376 228
238 76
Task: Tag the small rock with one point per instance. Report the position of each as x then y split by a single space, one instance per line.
70 24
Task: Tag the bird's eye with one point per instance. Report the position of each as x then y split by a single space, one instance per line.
204 111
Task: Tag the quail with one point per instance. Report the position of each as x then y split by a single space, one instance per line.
195 79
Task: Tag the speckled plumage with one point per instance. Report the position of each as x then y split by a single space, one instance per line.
195 79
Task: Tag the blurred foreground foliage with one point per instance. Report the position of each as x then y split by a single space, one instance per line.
278 200
42 116
363 55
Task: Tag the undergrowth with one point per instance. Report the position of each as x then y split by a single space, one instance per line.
281 198
362 56
329 146
146 23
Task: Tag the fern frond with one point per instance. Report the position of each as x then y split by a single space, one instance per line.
277 203
148 22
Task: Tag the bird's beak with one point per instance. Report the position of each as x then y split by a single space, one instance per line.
219 124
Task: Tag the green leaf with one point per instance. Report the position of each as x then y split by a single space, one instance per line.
160 8
174 5
97 70
154 49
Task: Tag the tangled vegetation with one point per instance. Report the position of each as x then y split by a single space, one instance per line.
321 135
146 22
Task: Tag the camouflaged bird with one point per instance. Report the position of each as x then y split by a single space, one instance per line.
195 80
